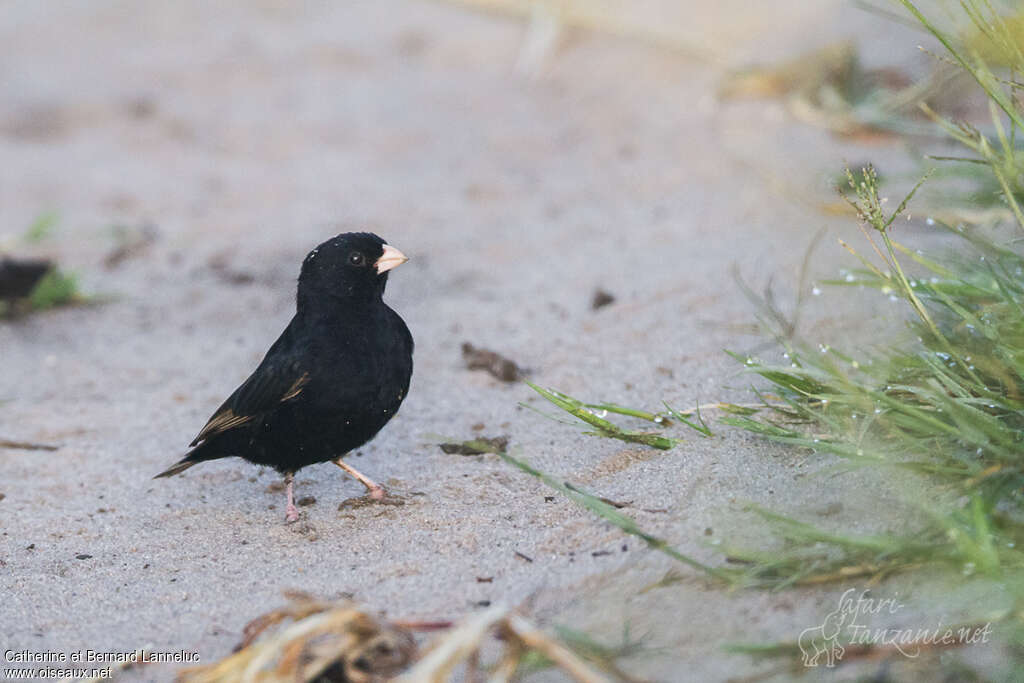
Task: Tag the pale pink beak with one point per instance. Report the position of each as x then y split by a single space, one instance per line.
392 258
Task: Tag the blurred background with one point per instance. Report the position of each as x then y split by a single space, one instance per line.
176 161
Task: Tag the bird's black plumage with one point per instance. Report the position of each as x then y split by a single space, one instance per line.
335 376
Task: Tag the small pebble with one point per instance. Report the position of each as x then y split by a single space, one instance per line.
601 299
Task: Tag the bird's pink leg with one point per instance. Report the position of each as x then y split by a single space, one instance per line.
291 514
373 489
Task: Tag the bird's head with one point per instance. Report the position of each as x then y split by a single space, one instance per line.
353 265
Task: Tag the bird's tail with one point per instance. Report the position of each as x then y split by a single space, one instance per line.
205 451
178 467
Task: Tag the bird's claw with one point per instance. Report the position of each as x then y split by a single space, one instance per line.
377 496
291 515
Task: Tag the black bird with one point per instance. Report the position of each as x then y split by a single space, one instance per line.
331 381
19 277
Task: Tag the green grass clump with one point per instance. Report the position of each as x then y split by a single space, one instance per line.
946 404
57 288
949 405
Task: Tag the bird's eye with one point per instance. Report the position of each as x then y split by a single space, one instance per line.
356 258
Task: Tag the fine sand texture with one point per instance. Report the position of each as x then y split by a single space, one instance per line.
222 141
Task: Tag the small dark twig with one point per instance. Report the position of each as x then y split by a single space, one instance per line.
27 445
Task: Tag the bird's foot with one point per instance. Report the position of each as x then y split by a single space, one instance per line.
375 496
290 513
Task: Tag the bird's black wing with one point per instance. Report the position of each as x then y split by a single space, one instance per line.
279 378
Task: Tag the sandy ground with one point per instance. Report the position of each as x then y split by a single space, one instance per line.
246 133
